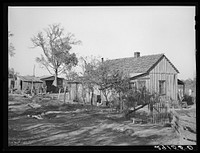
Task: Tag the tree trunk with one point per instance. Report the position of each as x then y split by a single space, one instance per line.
70 90
76 98
121 102
105 95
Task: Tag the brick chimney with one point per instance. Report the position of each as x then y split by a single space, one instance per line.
102 60
136 54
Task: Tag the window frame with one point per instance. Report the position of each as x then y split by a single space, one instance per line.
139 84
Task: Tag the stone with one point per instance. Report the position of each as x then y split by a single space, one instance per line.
129 131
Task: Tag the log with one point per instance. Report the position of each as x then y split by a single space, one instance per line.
131 111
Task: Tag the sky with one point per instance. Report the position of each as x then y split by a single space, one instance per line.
108 32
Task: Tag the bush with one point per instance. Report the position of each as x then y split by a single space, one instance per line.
18 91
188 99
137 97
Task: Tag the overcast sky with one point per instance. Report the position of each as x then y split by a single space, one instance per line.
110 32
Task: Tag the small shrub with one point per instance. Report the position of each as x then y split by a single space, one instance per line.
188 99
18 91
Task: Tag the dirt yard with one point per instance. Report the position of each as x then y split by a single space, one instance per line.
45 122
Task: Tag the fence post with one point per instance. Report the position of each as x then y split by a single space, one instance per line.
65 88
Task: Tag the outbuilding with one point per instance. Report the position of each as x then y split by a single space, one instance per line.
27 82
48 81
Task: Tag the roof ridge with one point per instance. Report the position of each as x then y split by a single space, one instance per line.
137 57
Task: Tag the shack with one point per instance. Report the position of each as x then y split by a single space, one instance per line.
27 82
48 81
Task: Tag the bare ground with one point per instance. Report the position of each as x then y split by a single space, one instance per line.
75 124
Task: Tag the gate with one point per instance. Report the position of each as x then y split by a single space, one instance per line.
159 113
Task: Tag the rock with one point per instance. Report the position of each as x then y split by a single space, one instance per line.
129 131
37 117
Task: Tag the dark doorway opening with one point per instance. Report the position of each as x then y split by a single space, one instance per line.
21 85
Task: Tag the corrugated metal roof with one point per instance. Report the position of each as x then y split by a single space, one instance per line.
134 65
30 79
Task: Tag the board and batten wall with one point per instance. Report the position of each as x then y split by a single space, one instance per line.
162 71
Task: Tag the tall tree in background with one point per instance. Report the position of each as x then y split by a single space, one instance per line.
56 47
11 53
11 48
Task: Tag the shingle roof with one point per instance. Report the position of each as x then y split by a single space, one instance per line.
134 65
30 79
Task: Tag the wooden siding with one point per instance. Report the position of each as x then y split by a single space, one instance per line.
164 71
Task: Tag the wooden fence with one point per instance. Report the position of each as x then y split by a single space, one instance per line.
160 113
185 127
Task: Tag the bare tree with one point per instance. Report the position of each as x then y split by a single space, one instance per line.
56 47
11 48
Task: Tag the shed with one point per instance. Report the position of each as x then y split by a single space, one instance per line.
24 82
48 80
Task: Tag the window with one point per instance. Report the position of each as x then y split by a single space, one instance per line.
141 84
162 87
132 85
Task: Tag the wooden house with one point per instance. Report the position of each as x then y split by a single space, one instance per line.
48 81
155 72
